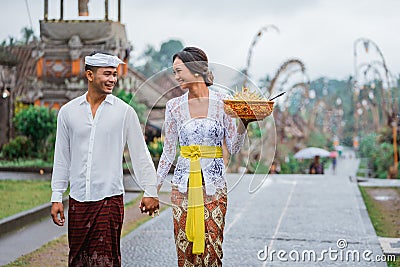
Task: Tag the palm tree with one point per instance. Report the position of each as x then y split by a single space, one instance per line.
27 35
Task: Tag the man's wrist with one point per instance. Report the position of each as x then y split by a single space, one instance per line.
56 197
150 191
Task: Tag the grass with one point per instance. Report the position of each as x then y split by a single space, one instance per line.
55 253
377 218
17 196
38 257
39 163
380 220
21 195
25 163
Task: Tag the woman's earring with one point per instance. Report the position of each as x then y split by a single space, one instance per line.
196 75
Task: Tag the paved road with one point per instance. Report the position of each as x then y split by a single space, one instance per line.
35 235
291 213
38 233
295 214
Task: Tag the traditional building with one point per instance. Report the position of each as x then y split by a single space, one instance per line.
8 63
50 72
61 51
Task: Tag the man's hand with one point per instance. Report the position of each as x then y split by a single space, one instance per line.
58 208
149 205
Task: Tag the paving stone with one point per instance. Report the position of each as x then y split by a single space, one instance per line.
290 213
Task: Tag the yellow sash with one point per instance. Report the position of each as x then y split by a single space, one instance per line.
195 229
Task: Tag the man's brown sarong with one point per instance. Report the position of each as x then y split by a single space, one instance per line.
94 231
214 219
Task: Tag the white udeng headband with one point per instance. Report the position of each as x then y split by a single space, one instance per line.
103 60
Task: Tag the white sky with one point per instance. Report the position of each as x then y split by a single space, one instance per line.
321 33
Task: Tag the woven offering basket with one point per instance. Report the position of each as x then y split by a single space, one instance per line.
248 109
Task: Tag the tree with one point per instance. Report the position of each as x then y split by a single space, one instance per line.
317 139
131 100
27 35
36 123
167 50
157 60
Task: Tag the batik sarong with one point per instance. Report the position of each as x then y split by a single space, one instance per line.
94 230
214 219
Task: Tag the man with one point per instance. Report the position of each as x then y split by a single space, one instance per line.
92 131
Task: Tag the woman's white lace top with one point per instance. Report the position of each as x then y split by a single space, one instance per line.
209 131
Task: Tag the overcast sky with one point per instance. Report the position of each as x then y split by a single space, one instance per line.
321 33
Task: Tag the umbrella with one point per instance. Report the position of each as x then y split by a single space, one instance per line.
333 154
311 152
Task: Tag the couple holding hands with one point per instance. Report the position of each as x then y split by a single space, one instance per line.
92 131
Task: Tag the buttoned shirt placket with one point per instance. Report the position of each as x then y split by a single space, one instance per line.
93 122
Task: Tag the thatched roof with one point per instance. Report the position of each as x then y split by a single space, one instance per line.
6 58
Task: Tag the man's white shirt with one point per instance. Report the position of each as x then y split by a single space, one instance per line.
89 151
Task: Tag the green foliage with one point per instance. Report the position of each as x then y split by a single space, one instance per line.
380 155
317 139
383 159
19 147
28 35
131 100
386 135
347 141
156 147
292 165
47 152
155 61
254 130
37 123
368 145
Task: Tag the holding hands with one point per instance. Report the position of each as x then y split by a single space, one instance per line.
149 205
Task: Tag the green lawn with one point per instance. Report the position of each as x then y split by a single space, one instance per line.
17 196
380 220
25 163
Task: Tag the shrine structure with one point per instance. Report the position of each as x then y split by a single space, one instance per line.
50 71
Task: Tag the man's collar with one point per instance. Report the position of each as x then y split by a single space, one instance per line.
82 99
109 99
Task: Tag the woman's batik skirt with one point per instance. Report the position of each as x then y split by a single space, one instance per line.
214 219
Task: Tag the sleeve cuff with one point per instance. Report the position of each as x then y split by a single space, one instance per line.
56 197
242 136
160 180
150 191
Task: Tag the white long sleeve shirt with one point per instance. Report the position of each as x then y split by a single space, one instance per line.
89 151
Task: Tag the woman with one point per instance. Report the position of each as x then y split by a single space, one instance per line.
199 194
316 166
